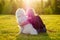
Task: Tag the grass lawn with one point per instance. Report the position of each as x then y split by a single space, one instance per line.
9 28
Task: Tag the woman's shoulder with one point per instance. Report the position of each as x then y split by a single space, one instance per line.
37 16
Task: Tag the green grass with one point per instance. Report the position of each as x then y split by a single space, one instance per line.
9 28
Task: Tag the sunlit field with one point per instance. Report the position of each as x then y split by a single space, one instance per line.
9 28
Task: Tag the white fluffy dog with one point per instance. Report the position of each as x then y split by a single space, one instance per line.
21 18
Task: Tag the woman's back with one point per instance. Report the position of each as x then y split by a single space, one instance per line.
36 21
38 24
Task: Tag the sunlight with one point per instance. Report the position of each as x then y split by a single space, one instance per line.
27 3
31 1
45 0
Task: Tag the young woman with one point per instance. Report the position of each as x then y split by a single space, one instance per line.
35 20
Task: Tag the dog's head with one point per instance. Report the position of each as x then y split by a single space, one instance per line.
20 12
20 15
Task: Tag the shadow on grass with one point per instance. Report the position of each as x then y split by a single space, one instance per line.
41 36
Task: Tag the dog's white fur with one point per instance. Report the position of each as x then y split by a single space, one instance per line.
28 28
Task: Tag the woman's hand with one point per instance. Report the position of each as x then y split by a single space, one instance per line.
24 23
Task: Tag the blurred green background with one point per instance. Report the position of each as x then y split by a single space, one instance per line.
41 7
9 27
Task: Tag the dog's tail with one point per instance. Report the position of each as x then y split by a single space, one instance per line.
51 31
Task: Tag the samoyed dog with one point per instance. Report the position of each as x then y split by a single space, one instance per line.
26 28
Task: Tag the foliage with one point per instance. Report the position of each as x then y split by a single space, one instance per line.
41 7
8 6
57 6
1 5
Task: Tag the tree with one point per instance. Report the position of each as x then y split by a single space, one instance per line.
57 6
2 3
15 5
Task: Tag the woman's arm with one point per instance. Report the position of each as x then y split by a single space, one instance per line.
24 23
